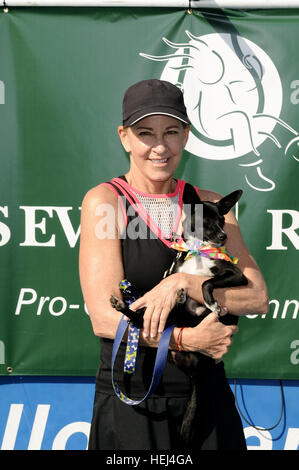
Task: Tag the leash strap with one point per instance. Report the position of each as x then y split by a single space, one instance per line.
130 294
159 363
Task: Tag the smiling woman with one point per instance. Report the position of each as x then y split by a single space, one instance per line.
154 132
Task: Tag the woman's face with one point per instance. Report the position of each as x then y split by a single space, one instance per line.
155 145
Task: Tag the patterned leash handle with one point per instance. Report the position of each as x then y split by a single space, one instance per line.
130 294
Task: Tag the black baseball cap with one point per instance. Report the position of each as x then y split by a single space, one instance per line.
150 97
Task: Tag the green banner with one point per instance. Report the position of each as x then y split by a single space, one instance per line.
63 72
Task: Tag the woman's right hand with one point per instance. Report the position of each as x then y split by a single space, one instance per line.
210 337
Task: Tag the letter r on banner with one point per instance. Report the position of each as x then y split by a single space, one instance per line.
278 230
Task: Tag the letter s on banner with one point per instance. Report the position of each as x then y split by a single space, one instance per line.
4 230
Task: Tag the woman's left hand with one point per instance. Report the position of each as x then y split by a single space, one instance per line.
158 303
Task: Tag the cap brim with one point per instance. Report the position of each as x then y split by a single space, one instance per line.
141 115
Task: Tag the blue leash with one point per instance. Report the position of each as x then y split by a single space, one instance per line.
132 348
130 294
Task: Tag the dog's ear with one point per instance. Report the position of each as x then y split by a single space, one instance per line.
227 202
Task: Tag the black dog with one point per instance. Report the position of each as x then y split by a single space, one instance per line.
202 225
204 228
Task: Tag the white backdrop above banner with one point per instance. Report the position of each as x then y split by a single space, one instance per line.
233 4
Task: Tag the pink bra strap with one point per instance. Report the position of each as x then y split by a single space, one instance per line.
110 186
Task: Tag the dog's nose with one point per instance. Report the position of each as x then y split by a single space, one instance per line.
222 237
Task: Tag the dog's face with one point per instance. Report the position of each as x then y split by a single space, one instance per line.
205 220
213 223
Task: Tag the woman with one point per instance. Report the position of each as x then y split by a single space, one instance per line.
154 132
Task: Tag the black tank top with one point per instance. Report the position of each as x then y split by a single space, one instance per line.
145 259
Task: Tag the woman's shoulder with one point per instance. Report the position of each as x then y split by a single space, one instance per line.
101 193
207 194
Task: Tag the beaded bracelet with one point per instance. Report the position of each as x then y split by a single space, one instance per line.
179 339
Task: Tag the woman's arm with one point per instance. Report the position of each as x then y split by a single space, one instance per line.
100 264
101 269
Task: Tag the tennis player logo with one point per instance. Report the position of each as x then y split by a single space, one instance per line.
233 94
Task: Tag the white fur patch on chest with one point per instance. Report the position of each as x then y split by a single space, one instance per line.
200 265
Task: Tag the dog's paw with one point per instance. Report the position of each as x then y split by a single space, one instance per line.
117 303
181 296
215 307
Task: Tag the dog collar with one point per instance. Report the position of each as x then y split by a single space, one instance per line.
207 250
